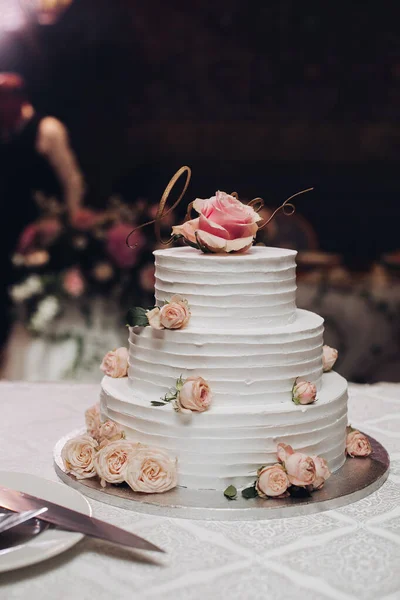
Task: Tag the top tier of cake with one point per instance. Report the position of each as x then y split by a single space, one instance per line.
249 291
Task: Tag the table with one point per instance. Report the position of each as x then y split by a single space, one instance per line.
345 554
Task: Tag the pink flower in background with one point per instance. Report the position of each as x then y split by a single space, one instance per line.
147 278
27 238
73 283
123 256
84 219
225 224
115 363
37 258
357 444
304 392
272 482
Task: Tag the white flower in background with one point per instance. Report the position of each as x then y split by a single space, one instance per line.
28 288
45 312
18 260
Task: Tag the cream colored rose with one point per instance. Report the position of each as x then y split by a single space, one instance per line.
151 471
92 420
272 481
322 472
195 394
111 461
153 316
78 456
110 431
115 363
175 314
357 444
329 357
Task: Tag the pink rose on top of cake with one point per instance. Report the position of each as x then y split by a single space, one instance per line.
111 461
115 363
78 456
329 357
300 468
357 444
92 420
303 392
225 225
272 482
195 394
151 471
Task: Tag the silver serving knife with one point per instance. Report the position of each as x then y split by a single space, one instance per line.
71 520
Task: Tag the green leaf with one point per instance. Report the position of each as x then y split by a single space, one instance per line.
250 492
137 317
157 403
179 383
298 492
230 492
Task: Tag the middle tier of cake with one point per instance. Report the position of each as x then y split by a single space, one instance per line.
243 369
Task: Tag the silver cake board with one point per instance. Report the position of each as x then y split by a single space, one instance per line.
358 478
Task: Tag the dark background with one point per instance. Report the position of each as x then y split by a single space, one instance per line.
264 98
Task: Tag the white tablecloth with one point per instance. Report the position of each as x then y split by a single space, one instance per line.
350 553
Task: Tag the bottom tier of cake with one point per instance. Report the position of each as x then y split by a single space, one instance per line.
226 445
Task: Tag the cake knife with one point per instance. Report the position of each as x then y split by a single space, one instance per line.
71 520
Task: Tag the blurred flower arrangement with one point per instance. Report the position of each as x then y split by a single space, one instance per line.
60 261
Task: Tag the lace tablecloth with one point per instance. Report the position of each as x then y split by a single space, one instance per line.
345 554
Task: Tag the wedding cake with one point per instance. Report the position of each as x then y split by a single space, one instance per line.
255 349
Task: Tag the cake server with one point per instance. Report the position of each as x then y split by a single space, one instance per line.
72 520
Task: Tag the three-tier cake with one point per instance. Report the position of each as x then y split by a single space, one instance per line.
249 341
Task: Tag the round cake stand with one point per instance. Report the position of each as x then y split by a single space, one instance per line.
358 478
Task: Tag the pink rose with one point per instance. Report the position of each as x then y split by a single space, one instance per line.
151 471
300 468
175 314
272 481
78 456
92 420
111 461
303 392
329 357
195 394
73 283
357 444
123 256
225 224
115 363
110 431
322 472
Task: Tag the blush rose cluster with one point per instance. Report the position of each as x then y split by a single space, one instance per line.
103 452
191 394
296 474
174 314
224 225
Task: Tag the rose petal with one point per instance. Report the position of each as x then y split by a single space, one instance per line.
239 245
188 230
213 228
211 242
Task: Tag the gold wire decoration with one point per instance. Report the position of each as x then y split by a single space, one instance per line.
161 213
257 204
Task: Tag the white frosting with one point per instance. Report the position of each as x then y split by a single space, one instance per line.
223 291
227 444
256 368
248 340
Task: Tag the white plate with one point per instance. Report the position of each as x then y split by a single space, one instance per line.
52 541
